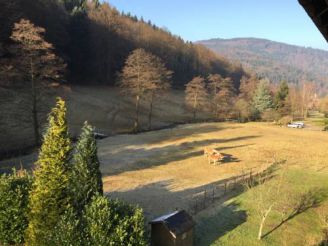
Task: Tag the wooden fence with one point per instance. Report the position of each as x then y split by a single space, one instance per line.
207 197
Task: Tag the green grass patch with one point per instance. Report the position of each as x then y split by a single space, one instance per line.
237 221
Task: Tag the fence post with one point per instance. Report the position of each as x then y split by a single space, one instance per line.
225 187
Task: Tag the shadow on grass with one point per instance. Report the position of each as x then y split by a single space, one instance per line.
125 160
215 225
311 199
213 222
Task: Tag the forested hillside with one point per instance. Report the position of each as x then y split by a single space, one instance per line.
277 61
95 39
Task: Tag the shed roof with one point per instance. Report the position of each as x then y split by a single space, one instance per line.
177 222
318 11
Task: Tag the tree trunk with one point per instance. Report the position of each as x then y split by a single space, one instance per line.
34 108
259 236
217 112
194 114
150 111
136 121
195 106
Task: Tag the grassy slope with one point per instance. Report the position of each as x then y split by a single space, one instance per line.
104 107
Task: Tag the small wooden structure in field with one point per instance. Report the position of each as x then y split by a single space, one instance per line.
213 156
174 229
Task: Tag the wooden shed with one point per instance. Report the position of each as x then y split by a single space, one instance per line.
174 229
318 11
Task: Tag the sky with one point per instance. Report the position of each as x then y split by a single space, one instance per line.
193 20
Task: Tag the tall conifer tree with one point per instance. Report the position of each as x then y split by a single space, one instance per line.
86 176
262 99
49 197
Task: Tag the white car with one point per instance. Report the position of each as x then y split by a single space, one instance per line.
296 125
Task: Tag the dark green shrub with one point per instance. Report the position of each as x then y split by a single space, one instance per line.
69 230
14 190
109 222
86 176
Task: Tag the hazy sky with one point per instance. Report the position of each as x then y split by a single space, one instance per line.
278 20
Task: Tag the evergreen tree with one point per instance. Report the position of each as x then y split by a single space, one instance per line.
68 231
86 176
14 190
49 197
280 100
110 222
262 99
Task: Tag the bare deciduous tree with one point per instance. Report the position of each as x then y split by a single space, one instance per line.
266 194
226 97
308 90
214 87
135 79
36 60
196 94
248 87
161 82
221 91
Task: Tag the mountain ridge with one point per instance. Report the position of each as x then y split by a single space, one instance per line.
262 39
275 60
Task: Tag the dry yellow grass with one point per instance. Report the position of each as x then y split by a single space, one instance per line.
162 170
103 106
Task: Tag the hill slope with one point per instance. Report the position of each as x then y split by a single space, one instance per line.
103 106
96 41
275 60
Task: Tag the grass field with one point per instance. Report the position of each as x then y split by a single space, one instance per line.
163 170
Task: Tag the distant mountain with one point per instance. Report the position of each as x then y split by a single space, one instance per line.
277 61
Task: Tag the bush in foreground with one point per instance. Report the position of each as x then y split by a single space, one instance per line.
14 189
113 222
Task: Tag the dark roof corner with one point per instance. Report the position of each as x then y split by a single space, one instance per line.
177 222
318 12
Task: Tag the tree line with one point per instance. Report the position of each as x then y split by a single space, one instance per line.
94 39
144 76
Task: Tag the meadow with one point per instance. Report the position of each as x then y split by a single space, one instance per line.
164 170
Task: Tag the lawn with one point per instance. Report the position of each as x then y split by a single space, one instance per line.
236 221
